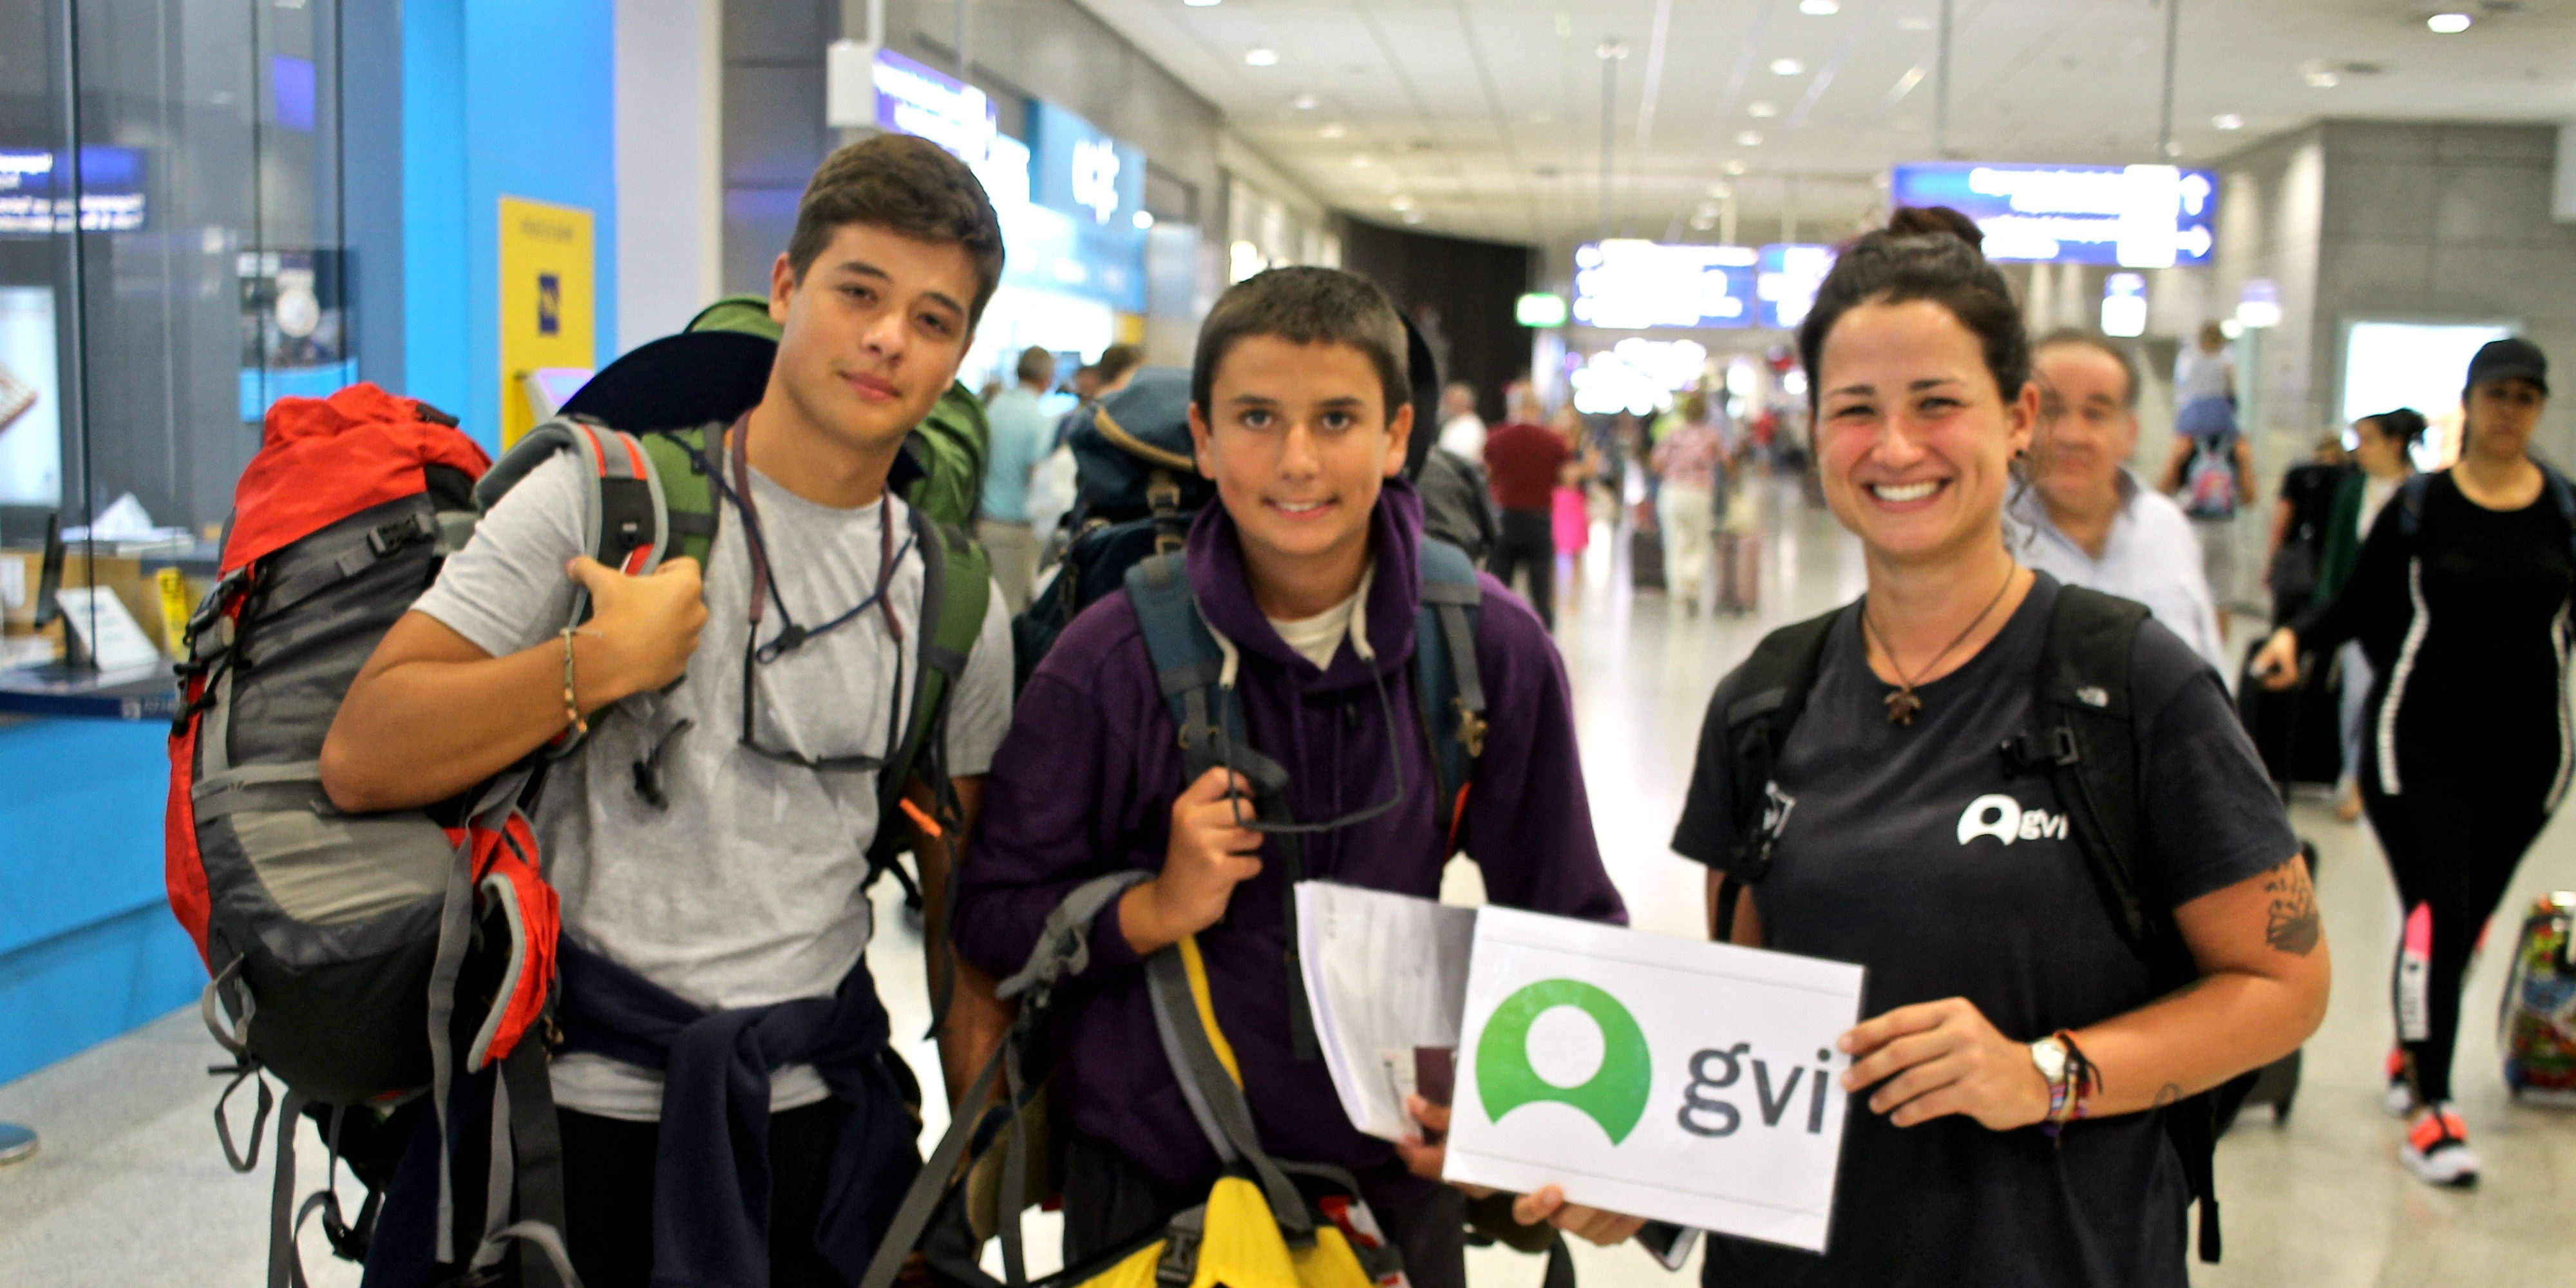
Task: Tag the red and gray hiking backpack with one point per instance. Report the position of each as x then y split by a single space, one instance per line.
363 960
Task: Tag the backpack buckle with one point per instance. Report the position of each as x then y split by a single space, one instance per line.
2048 749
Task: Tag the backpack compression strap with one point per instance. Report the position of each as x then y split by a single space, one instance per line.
1445 676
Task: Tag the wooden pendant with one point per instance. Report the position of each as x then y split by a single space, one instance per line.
1902 704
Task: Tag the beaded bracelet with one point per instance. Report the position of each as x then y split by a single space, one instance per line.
573 721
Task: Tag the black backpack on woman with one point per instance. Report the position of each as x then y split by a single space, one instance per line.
2084 742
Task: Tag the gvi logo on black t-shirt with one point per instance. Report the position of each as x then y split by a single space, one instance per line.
2003 818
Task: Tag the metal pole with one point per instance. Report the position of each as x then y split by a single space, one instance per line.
1789 209
2165 146
965 40
1726 219
1941 94
1610 52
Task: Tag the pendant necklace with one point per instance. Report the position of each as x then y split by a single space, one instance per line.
1902 701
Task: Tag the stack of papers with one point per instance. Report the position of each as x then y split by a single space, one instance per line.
1384 975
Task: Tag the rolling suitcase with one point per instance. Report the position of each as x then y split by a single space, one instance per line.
1739 571
1645 551
2283 726
2536 1025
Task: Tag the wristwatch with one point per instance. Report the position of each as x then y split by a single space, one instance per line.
2049 1055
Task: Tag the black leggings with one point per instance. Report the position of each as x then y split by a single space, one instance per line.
1528 540
2453 850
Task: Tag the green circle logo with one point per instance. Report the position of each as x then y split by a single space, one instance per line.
1614 1097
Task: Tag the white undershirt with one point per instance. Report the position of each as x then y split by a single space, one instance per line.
1319 637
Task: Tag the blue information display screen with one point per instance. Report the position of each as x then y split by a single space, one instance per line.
1790 274
1635 285
35 187
2135 216
1097 182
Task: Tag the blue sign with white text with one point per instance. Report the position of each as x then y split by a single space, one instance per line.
35 183
1626 285
1098 182
2134 216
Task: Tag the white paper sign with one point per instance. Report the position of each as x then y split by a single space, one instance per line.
1686 1082
114 642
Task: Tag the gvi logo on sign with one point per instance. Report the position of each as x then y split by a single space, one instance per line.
2003 818
1614 1096
1691 1059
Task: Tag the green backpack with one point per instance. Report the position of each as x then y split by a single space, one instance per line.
942 469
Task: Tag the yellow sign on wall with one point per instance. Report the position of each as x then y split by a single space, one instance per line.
546 318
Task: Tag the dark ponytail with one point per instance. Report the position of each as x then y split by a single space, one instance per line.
2405 425
1924 253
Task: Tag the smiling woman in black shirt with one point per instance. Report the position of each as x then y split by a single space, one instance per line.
2460 601
1898 838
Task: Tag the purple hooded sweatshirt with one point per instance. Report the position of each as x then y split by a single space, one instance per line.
1084 783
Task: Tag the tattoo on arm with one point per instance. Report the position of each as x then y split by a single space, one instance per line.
2291 923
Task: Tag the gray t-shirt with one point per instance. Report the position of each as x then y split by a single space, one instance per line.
745 890
1912 851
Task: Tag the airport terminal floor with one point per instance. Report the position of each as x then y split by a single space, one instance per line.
2318 1199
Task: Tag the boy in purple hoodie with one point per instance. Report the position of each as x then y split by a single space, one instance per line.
1313 551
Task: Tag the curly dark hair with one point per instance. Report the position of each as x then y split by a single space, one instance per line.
1924 253
904 185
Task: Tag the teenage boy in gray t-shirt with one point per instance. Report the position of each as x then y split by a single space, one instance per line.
732 881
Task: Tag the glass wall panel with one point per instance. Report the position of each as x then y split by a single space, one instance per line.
170 249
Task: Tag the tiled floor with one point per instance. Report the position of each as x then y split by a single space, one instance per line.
130 1187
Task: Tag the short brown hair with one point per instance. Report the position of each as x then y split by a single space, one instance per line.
1305 305
907 186
1117 360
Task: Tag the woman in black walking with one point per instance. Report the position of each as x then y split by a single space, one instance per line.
2460 601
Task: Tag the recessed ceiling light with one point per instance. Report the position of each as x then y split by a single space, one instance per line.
2228 121
1334 130
1702 223
2448 24
1787 67
1304 102
2323 80
1750 138
1721 190
1363 160
1736 166
1143 219
1202 4
1413 216
1761 109
1820 8
1400 203
1261 57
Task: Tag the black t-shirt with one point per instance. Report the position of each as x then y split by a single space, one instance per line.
1909 850
2310 489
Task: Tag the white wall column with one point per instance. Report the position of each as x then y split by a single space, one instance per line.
670 185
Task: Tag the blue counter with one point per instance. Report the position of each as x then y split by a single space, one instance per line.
88 948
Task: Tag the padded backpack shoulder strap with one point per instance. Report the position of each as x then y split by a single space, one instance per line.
1771 692
689 512
956 589
1187 661
2086 742
1446 678
2410 504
